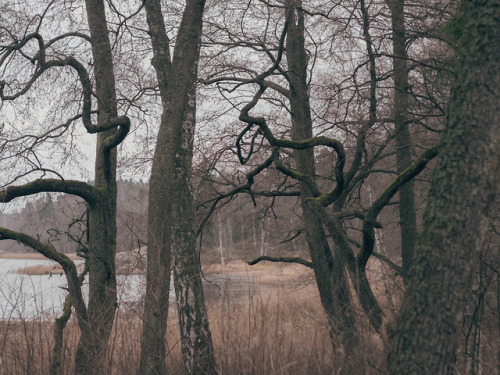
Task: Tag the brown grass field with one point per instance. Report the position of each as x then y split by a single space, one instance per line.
276 326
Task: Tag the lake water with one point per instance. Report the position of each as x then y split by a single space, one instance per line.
26 296
35 297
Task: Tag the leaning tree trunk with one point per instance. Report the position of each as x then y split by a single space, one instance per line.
91 351
330 274
463 186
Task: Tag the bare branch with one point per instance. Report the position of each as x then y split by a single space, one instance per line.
78 188
281 259
377 206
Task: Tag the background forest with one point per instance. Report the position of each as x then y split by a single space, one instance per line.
346 152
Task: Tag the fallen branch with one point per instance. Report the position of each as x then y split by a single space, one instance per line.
281 259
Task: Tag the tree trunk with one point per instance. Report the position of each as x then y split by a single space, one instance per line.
329 272
171 216
407 213
463 185
91 351
196 339
159 221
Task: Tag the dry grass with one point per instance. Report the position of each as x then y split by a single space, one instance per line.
281 330
277 333
278 328
23 347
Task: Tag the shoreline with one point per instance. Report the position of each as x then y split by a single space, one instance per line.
31 255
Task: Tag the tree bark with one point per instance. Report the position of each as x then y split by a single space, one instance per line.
463 186
330 273
91 351
159 220
171 209
196 339
407 213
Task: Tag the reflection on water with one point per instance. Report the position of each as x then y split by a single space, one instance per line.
35 297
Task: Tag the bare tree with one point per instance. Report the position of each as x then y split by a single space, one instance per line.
96 319
356 136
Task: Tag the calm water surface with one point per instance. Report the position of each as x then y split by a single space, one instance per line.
35 297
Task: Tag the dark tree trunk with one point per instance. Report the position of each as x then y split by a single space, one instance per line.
407 213
463 185
91 352
159 220
330 273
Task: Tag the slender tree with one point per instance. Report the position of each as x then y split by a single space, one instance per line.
407 212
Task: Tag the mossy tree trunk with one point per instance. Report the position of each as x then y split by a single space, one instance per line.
463 186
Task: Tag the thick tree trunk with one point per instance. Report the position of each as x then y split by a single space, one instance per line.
171 215
91 352
463 185
407 213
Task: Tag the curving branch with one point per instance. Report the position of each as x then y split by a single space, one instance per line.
243 160
336 145
48 250
86 191
121 122
369 221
